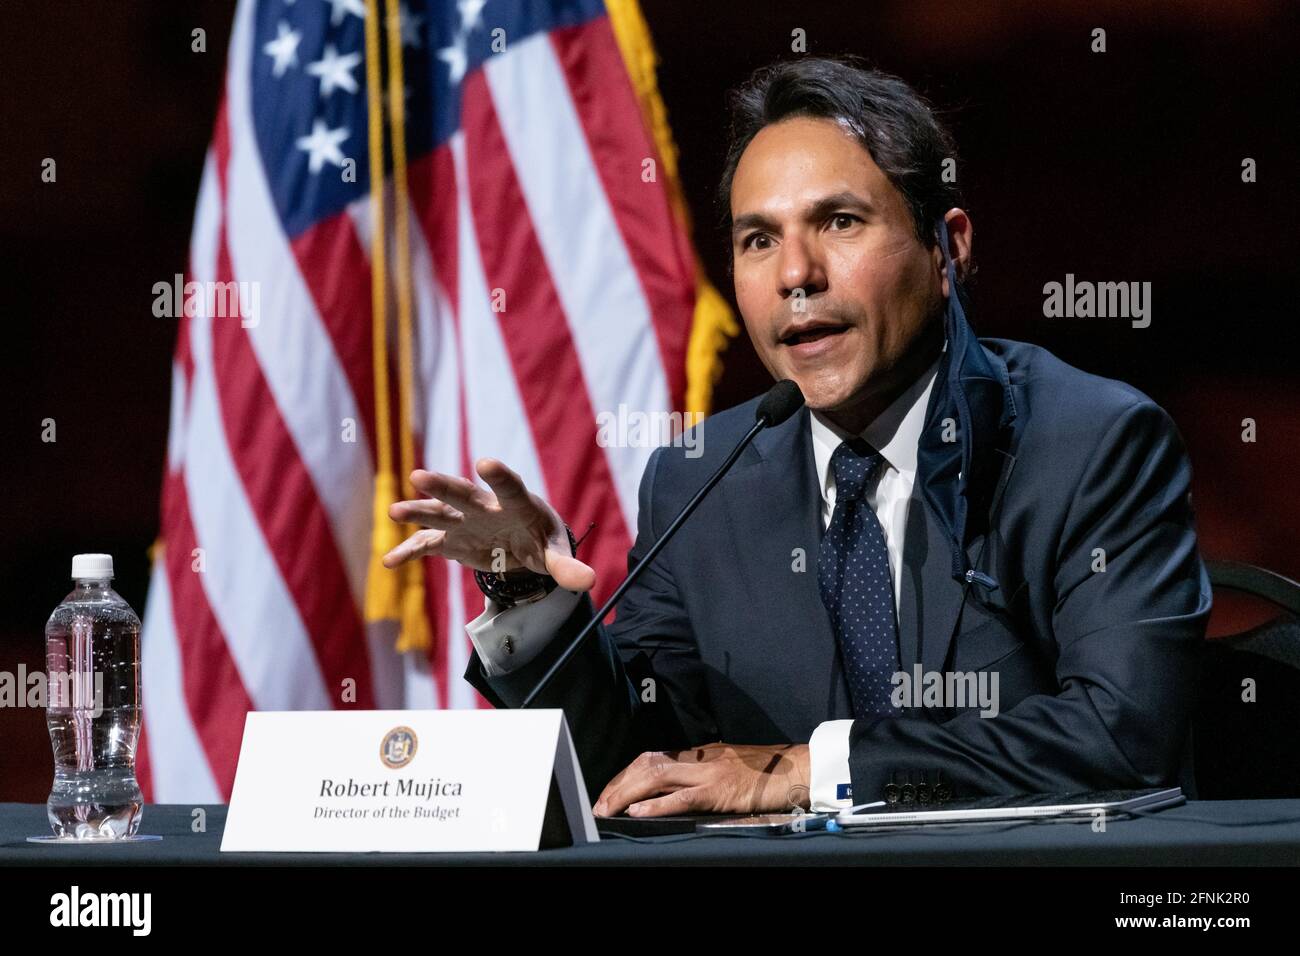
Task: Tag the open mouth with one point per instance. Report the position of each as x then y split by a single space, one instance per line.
813 335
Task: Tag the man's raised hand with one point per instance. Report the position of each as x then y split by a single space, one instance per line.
498 530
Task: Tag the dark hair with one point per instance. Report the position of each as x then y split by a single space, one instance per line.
892 121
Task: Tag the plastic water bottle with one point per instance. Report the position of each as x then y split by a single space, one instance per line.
92 667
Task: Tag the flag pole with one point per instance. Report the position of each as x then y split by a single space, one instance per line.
383 594
414 633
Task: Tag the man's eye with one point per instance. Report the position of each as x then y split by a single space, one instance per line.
847 218
750 240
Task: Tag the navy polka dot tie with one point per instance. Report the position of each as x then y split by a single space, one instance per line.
853 572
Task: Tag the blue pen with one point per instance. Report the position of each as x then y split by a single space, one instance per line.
810 823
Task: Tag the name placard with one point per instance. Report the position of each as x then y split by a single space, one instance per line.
406 781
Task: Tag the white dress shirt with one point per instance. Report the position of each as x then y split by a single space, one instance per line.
510 638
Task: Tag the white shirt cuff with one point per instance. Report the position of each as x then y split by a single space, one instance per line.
507 639
828 758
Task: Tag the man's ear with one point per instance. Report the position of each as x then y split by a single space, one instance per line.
961 239
961 235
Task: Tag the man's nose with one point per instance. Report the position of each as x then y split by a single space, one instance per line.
801 268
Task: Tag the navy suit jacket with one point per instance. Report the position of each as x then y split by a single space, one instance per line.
1054 475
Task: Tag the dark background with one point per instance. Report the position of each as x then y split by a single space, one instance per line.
1120 166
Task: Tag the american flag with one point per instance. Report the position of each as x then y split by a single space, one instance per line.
530 126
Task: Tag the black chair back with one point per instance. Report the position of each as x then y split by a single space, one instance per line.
1246 728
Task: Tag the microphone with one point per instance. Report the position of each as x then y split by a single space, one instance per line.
781 401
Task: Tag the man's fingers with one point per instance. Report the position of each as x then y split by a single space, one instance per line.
686 800
418 545
456 491
505 484
427 513
649 775
569 573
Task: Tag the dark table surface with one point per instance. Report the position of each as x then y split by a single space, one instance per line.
1199 833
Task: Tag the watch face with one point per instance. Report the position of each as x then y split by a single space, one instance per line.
532 597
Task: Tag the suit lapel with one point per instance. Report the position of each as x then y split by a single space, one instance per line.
773 509
931 599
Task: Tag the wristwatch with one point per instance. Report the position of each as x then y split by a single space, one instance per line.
521 585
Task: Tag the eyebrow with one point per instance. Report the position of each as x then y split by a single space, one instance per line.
818 210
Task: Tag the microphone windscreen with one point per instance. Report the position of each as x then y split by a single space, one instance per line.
781 401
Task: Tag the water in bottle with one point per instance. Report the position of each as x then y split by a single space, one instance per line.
92 666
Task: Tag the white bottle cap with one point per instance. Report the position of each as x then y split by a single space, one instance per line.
98 566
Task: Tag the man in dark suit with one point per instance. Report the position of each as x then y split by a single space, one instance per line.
963 568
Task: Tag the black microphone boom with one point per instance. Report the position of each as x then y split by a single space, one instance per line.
781 401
